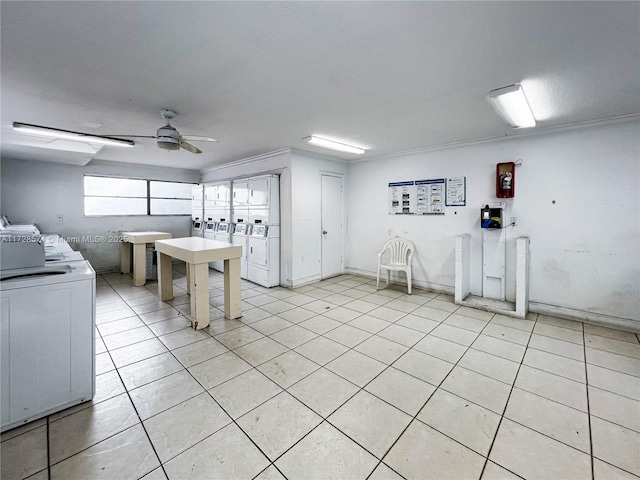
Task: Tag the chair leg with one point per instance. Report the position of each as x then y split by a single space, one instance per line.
409 279
388 277
378 280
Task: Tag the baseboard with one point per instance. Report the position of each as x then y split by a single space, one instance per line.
397 280
300 282
626 324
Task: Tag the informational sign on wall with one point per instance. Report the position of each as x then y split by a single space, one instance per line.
402 198
456 192
430 196
427 197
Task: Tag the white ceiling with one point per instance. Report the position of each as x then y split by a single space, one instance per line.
260 76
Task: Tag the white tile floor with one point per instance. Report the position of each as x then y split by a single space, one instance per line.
335 380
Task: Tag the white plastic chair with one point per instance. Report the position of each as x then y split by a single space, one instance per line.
401 252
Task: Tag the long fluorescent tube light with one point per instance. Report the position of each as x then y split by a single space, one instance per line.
333 145
512 104
68 135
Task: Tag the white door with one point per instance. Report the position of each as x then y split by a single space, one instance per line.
331 216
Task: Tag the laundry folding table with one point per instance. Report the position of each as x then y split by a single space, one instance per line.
137 241
197 252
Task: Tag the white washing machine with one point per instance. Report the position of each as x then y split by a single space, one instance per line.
240 237
210 232
263 259
222 234
47 343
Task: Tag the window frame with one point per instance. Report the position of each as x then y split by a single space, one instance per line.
148 197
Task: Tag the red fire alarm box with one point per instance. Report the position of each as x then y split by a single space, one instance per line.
505 180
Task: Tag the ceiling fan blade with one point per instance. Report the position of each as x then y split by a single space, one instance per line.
198 138
189 147
131 136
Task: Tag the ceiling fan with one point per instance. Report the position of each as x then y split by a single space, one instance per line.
167 136
170 139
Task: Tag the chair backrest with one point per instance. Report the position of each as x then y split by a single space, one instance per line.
401 250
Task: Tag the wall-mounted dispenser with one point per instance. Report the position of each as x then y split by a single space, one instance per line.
491 218
505 180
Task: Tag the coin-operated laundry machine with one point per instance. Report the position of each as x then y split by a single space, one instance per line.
210 229
197 211
48 321
240 237
263 259
222 234
240 200
217 202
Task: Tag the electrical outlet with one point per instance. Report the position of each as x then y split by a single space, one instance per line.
513 220
59 217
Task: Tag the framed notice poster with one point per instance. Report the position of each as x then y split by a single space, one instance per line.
456 192
430 197
402 198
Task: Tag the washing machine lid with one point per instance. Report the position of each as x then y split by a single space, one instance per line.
60 272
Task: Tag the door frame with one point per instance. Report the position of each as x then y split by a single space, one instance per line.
342 224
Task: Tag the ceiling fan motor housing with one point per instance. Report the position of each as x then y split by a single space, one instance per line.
168 138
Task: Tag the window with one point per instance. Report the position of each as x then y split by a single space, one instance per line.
169 198
105 196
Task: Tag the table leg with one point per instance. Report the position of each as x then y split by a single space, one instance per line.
165 277
232 295
199 295
188 271
139 264
125 257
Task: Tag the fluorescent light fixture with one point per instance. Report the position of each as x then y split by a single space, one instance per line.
68 135
333 145
513 106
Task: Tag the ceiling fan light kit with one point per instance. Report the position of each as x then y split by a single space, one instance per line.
168 138
512 104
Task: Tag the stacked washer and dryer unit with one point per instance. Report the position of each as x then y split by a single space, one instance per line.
246 212
217 212
198 224
263 252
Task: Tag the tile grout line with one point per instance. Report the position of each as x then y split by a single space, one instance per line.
48 451
586 387
135 409
353 348
506 405
415 417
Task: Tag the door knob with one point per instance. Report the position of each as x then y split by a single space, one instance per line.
324 232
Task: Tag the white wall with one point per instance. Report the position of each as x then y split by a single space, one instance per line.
35 192
306 214
585 247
